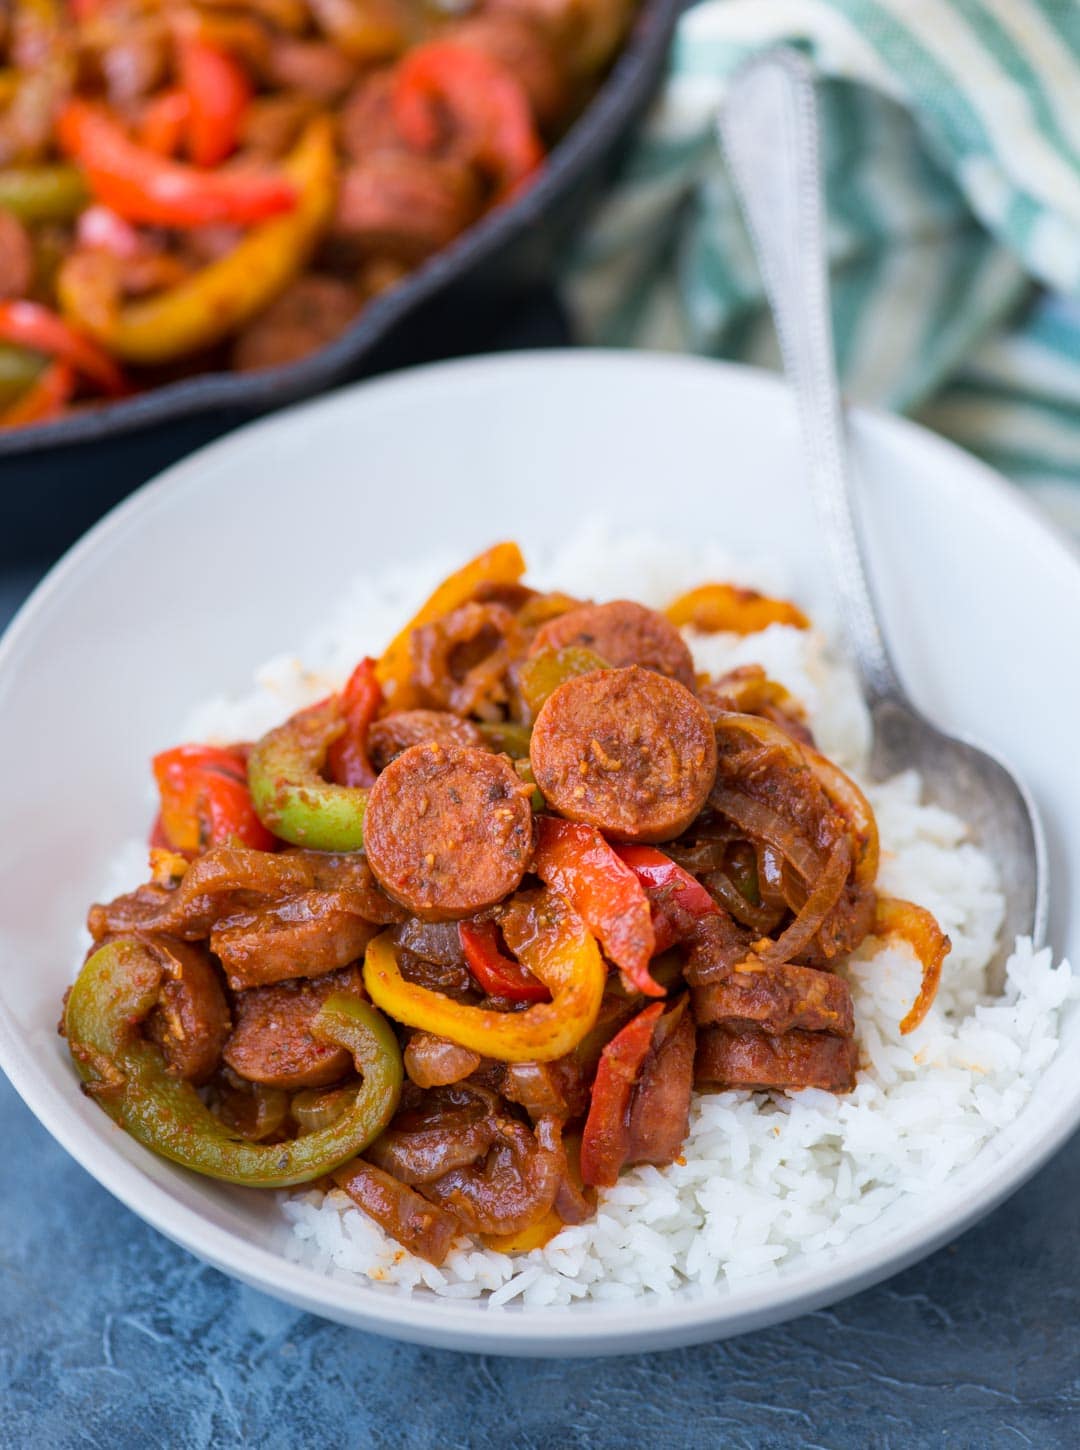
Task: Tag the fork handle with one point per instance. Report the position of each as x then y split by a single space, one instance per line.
768 129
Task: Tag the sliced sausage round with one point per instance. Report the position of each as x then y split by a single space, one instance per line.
622 633
272 1042
748 1058
391 735
628 751
448 830
191 1020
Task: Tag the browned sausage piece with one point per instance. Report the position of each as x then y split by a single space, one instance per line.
523 47
191 1020
448 830
307 315
272 1042
747 1058
777 999
16 257
660 1108
388 737
622 633
404 206
409 1219
628 751
303 936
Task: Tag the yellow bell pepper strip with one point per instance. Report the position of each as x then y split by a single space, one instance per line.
915 925
142 186
605 892
715 607
290 794
542 675
125 1074
28 324
43 400
43 193
222 296
551 942
501 564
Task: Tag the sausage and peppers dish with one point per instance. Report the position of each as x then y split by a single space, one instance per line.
463 938
192 185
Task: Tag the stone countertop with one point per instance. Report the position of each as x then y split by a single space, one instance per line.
112 1337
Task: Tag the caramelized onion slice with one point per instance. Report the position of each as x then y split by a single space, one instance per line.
824 896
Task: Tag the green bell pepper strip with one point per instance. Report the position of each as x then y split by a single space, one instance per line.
43 193
19 370
541 676
290 794
125 1074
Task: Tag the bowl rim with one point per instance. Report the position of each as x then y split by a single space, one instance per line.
1008 1159
596 129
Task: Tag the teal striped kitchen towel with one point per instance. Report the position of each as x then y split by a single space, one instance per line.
952 141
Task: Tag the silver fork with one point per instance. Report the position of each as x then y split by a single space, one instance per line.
769 132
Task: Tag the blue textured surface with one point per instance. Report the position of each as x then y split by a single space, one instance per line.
111 1337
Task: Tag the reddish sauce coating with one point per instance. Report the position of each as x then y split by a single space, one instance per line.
191 1021
272 1041
622 633
448 830
628 751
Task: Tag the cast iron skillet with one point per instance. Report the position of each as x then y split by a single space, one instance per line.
57 478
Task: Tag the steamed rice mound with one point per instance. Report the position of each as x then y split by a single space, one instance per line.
764 1178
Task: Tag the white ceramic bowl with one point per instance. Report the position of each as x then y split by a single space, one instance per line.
231 557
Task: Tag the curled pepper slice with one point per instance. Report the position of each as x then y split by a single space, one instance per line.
126 1075
498 974
606 893
552 943
715 607
606 1136
675 897
347 760
292 798
28 324
501 564
915 925
205 799
145 187
222 296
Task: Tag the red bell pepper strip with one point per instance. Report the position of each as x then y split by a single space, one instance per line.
606 1137
28 324
205 799
606 894
164 122
498 974
219 92
144 187
347 761
485 101
673 893
43 399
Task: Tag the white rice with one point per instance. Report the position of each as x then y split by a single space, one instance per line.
763 1179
